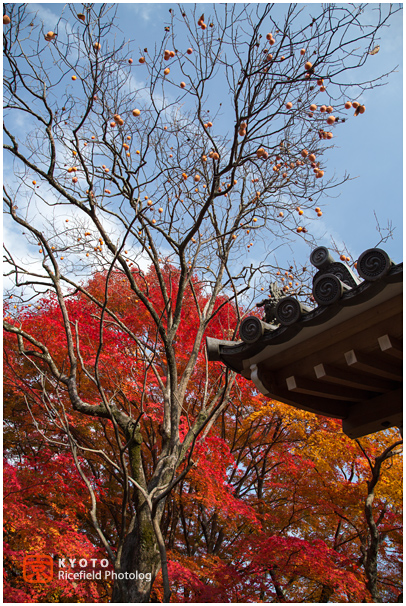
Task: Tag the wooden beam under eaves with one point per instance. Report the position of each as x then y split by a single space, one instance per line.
381 412
391 346
321 389
354 379
368 363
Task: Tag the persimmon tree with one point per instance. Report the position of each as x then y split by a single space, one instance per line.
131 206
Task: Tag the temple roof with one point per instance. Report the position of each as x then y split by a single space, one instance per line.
341 359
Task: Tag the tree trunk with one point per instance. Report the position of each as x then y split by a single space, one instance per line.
371 559
325 595
139 562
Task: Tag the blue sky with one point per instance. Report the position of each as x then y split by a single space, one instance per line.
368 147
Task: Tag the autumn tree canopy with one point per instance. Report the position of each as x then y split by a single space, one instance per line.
132 205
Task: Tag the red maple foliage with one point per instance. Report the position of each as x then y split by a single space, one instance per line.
271 509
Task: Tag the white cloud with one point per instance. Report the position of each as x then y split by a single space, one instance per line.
143 10
50 18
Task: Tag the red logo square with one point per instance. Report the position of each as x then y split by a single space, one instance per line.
38 568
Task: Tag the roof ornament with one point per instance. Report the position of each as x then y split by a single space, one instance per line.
374 264
335 278
269 305
330 283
